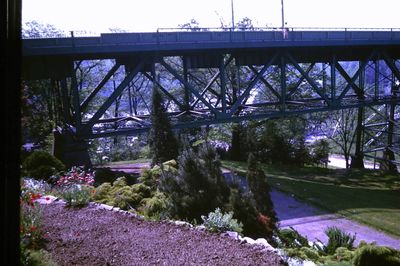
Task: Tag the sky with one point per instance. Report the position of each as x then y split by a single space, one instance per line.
148 15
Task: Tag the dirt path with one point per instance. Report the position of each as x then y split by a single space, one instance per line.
311 221
92 236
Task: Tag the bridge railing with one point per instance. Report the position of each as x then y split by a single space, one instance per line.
81 33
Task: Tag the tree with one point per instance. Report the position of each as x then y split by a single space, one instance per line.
198 187
260 189
38 111
163 144
192 25
34 29
340 127
245 24
320 152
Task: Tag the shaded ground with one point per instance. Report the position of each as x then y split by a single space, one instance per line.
92 236
311 221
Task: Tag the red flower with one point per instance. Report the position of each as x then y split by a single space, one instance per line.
33 228
47 198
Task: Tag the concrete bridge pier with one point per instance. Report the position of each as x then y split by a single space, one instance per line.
71 150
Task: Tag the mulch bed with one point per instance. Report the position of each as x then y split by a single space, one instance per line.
92 236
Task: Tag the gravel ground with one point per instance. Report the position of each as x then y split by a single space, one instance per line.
92 236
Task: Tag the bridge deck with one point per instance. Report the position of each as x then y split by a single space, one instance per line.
177 43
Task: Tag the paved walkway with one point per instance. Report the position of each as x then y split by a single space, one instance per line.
311 222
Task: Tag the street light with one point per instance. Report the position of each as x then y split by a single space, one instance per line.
283 16
233 16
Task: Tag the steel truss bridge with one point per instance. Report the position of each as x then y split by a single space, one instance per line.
255 74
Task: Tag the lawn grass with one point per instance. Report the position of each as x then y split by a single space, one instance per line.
127 162
367 196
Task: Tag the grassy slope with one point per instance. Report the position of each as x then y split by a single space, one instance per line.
366 196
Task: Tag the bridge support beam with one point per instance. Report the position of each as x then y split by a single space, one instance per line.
357 161
71 150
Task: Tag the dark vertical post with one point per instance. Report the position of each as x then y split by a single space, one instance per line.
283 82
76 102
333 79
65 101
130 98
376 87
186 78
223 83
10 110
388 154
324 78
358 160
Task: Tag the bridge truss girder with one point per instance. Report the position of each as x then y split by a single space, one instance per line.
223 99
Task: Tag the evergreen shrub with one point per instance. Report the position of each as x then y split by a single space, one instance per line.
198 187
41 165
372 255
290 238
338 238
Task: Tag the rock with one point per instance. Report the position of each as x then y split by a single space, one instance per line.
264 242
232 234
106 207
249 240
182 223
46 199
200 228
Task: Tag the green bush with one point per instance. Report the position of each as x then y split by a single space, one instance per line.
338 263
198 187
77 195
255 224
290 238
372 255
337 238
142 190
120 182
260 190
154 207
124 198
102 192
342 253
120 194
219 222
41 165
37 258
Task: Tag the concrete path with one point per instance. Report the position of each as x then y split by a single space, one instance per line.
311 222
339 161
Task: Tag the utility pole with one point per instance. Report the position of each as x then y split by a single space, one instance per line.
283 16
233 15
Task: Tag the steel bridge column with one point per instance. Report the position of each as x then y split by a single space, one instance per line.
223 84
333 80
283 83
376 85
358 160
65 100
76 103
388 154
186 78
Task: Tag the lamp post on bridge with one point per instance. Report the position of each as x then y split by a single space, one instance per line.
284 31
233 15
